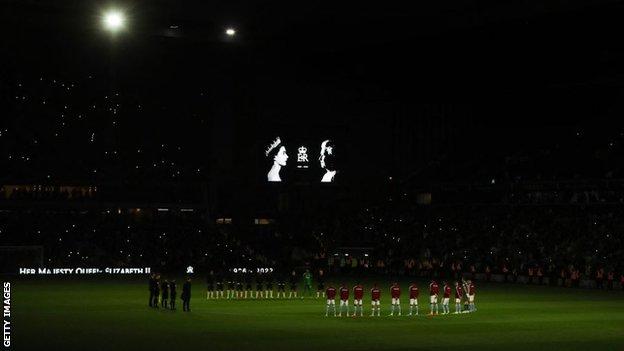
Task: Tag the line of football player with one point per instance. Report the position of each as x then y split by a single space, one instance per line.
466 288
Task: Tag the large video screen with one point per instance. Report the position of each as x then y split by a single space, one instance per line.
296 159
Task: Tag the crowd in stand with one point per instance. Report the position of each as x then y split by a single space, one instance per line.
539 244
549 213
55 129
124 238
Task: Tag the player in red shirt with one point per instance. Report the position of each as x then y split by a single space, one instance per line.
471 296
375 297
331 299
358 294
395 293
445 299
344 299
413 298
434 290
459 293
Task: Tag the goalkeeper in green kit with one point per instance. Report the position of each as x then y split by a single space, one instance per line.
307 283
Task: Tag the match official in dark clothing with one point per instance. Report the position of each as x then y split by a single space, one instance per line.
164 293
152 289
156 290
186 295
172 293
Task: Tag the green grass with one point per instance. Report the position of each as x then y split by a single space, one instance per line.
113 315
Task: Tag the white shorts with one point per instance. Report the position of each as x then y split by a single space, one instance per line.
413 301
357 302
445 301
395 301
331 302
471 298
375 302
433 299
457 300
344 303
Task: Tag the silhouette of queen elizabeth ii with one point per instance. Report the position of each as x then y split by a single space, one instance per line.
277 157
327 158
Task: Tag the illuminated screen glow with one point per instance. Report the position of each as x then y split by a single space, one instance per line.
312 160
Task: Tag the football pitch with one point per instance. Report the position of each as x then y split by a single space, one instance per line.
113 315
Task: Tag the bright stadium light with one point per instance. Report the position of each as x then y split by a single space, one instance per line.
113 20
230 32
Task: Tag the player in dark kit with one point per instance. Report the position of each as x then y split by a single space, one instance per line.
258 285
239 287
445 299
358 295
164 293
231 285
395 293
219 292
434 290
344 299
281 286
331 300
293 284
268 287
248 287
186 295
172 294
459 293
320 289
375 297
413 298
210 281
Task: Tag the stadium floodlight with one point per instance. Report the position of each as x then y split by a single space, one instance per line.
113 20
230 32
